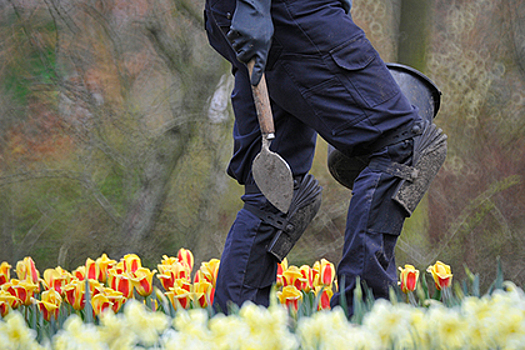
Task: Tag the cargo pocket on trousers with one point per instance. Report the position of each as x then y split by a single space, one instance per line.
382 248
364 72
387 216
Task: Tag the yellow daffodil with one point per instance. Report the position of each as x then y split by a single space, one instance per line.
15 333
147 325
77 334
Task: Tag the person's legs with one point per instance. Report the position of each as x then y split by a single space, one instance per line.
247 271
322 74
374 223
329 75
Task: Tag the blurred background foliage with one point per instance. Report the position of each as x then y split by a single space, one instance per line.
115 133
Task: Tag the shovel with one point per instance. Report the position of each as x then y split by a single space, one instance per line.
270 171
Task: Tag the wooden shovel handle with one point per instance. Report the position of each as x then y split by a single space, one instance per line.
262 105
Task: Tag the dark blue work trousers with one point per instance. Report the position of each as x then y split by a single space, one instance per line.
324 78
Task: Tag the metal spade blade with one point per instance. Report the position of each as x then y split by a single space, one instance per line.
270 171
274 178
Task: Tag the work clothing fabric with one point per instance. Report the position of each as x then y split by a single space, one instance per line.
324 78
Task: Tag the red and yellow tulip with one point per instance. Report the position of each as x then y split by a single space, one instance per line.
142 280
74 293
26 271
169 273
442 275
185 257
117 299
180 295
293 277
111 283
325 275
408 278
79 273
326 294
7 301
104 264
49 304
208 271
203 293
23 290
308 277
100 303
131 263
5 274
281 267
290 297
121 283
92 270
57 278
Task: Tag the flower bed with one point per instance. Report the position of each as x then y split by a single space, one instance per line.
107 304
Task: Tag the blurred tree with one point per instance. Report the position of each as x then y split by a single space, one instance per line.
127 84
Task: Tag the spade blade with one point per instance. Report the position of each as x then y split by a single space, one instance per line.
274 178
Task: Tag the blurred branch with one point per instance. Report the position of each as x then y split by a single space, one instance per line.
70 175
195 13
58 12
475 211
34 234
174 56
34 39
517 19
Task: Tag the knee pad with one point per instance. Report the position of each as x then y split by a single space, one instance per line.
290 227
430 150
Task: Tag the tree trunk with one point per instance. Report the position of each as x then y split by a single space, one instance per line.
141 216
414 24
414 31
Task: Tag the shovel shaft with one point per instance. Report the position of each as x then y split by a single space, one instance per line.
262 105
